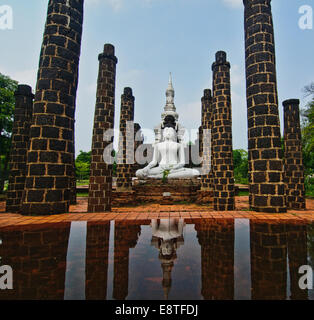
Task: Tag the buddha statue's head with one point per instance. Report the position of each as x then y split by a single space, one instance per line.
169 134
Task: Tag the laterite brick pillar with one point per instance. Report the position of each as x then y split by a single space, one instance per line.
49 158
267 190
20 139
97 249
293 169
205 141
268 242
100 182
223 176
125 238
126 142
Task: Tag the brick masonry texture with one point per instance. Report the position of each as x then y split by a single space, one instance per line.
293 163
223 176
125 159
100 183
216 239
20 140
205 141
50 154
266 177
126 236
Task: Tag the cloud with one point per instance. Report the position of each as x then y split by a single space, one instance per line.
28 76
233 3
116 5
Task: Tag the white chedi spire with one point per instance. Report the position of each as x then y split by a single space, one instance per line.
170 108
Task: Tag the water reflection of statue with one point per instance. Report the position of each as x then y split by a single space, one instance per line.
168 157
167 237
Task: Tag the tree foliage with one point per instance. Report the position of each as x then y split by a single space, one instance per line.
240 163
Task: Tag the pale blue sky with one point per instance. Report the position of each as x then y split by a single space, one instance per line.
154 37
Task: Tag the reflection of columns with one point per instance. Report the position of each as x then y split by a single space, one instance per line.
126 141
294 170
100 181
223 176
268 260
217 251
20 138
97 247
37 256
297 253
267 190
205 141
125 237
51 148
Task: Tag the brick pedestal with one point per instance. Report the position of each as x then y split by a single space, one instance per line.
125 160
267 191
294 170
100 182
20 139
205 141
223 176
49 159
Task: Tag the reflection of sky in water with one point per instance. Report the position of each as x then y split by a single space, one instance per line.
148 272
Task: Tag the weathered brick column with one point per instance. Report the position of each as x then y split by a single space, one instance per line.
216 239
97 249
49 159
100 182
223 176
268 242
293 169
20 139
125 160
267 191
125 237
205 141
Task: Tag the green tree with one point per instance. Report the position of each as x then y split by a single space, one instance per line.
7 102
82 165
240 163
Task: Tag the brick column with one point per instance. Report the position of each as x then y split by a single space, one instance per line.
49 159
294 170
97 248
268 243
100 182
223 176
126 142
205 141
267 191
216 239
125 237
20 140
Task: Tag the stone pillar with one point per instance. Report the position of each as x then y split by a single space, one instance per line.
126 237
216 239
100 182
267 191
126 142
268 242
20 140
294 170
49 159
205 141
97 249
223 176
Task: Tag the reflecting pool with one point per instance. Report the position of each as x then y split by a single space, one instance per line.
158 259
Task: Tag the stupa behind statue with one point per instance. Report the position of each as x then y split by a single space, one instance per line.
169 155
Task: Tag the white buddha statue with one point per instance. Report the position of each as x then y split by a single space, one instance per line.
168 158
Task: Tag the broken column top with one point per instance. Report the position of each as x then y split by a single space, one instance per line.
109 53
221 59
24 90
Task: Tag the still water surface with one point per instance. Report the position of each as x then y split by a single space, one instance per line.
158 259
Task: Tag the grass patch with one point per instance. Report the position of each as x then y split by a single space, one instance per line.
82 182
243 194
82 194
